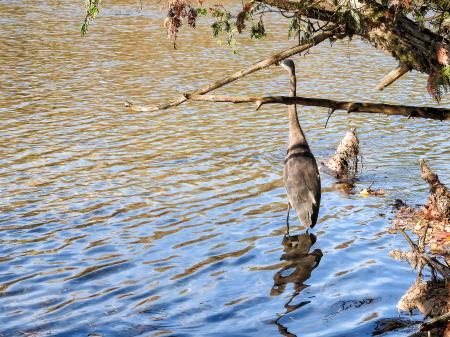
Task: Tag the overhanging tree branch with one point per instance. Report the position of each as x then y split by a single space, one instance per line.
275 58
359 107
410 43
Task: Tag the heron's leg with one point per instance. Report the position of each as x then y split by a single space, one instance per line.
287 218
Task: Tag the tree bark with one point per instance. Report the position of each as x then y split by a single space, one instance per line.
404 39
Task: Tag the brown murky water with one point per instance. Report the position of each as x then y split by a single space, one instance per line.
172 223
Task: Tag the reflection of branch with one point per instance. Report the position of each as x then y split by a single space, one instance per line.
275 58
387 109
283 330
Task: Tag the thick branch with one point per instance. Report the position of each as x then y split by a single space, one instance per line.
387 109
393 76
275 58
395 33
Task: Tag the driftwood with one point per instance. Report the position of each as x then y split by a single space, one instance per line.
431 298
387 109
344 163
275 58
438 203
434 214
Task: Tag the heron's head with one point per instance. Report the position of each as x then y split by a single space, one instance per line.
288 64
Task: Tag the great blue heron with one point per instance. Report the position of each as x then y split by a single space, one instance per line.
301 175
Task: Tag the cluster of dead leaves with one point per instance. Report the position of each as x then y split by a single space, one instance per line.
177 10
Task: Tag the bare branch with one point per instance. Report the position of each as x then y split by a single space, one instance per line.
275 58
393 76
387 109
432 262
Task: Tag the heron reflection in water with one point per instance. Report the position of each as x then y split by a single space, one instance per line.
300 264
301 175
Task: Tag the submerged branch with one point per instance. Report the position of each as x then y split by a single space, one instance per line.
387 109
441 320
273 59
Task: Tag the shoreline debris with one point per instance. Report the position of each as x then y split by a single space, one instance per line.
344 163
431 224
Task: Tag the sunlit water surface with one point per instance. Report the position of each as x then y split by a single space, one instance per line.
171 223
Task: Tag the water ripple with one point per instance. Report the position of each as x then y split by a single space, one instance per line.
172 223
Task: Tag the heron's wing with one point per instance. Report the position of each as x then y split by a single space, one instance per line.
301 176
302 182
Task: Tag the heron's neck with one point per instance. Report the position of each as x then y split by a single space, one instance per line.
296 135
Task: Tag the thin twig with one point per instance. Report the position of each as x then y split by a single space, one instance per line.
432 262
330 112
422 249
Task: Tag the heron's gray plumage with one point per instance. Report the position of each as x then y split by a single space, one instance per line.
302 182
301 175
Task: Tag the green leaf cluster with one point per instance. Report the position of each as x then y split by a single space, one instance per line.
294 27
201 11
92 9
234 25
304 30
258 31
353 23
